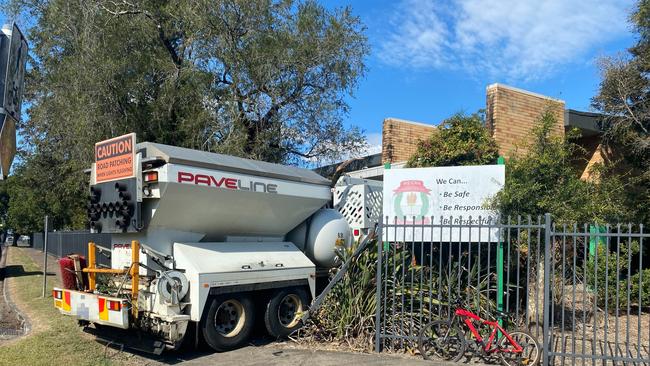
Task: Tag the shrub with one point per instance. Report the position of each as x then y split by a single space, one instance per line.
459 140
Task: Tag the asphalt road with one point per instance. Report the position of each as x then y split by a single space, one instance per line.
284 354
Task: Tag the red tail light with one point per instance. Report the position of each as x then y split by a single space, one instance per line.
57 294
114 305
151 177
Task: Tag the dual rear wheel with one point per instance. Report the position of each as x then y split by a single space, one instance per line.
229 319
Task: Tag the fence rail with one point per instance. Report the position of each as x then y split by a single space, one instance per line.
582 290
62 243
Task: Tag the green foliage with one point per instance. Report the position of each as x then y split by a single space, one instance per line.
544 180
348 312
459 140
609 270
607 275
412 293
43 186
640 284
4 204
261 79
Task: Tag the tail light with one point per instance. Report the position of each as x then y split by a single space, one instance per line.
57 294
151 177
114 305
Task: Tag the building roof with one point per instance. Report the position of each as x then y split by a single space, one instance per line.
586 122
359 164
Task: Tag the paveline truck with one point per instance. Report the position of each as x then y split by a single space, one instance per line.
203 239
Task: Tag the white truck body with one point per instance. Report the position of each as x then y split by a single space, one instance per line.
220 225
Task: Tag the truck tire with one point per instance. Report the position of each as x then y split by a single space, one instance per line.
283 311
228 321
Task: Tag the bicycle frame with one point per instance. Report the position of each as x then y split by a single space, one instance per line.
467 317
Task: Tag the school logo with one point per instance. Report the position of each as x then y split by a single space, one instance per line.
411 202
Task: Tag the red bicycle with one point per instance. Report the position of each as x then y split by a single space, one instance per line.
444 339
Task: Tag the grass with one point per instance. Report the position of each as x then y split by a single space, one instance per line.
55 338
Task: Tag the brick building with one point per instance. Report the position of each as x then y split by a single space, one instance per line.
511 114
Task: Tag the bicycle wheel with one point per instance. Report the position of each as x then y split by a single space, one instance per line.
528 357
443 340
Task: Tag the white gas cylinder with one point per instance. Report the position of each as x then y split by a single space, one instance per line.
328 231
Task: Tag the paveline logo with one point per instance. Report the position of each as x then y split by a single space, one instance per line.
411 202
226 182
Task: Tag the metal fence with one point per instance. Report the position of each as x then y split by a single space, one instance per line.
583 291
598 284
62 243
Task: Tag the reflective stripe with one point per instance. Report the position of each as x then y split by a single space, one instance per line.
66 301
103 310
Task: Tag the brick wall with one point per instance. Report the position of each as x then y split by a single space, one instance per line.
400 138
511 114
592 154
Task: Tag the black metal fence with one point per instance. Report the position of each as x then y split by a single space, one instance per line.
62 243
582 291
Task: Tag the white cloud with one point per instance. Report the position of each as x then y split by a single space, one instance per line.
502 39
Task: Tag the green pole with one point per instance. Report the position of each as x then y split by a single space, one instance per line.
386 167
595 241
500 265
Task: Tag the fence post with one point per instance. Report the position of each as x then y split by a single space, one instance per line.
500 264
45 255
546 344
380 245
378 300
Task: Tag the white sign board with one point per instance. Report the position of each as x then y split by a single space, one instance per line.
442 203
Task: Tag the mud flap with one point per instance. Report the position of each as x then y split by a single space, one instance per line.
118 338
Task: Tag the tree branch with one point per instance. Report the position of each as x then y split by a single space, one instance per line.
176 58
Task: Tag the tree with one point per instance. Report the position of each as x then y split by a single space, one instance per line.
260 79
459 140
624 100
544 180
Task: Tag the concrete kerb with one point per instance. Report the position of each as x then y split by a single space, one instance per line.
25 325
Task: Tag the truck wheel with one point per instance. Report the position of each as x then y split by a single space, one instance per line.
228 322
284 310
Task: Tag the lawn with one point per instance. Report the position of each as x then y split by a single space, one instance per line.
55 339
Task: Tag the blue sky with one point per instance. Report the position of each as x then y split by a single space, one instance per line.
433 58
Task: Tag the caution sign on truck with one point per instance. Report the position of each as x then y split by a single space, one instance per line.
115 158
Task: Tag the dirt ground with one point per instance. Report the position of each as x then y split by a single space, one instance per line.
10 325
581 330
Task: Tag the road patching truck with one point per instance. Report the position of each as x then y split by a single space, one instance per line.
204 239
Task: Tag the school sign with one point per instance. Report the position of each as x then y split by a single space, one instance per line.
453 196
